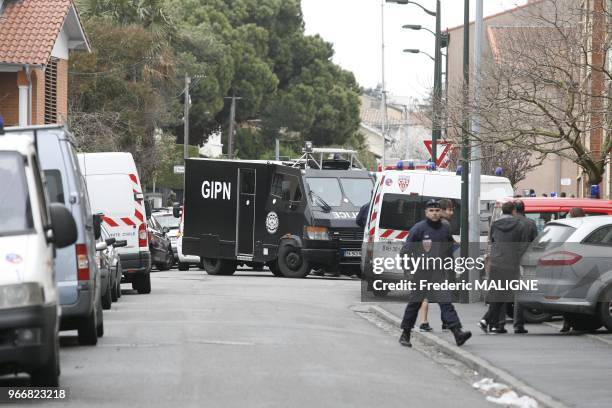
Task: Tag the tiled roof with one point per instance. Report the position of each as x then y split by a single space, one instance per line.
29 29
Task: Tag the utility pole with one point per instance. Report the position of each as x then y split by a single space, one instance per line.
186 116
232 125
437 130
465 162
383 101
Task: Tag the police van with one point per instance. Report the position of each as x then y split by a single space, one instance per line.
291 216
398 203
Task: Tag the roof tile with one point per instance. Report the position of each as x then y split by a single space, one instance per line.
29 29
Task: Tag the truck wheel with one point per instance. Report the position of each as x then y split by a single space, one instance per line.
87 330
107 300
214 266
291 262
119 275
48 374
273 266
605 308
100 329
114 295
143 284
583 322
183 266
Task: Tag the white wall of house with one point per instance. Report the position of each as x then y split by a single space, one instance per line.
61 49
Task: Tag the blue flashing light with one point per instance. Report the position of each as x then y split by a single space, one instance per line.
595 191
459 170
553 194
411 165
1 125
400 165
499 171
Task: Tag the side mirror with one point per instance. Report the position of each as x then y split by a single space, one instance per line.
101 246
97 225
147 209
63 225
110 241
176 210
119 244
165 230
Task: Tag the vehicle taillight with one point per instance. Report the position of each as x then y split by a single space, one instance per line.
82 262
142 236
560 258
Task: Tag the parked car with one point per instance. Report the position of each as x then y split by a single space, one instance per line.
572 261
77 276
31 230
166 219
107 260
115 190
159 245
184 261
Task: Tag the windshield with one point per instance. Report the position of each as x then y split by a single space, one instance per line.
326 188
15 200
358 191
168 221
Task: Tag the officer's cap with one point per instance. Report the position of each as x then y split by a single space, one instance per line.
432 204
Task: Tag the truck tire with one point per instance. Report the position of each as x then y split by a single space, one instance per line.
604 307
214 266
48 374
583 322
183 266
87 330
100 329
107 297
291 262
143 284
273 266
114 296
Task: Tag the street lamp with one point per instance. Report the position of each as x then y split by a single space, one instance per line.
415 51
437 131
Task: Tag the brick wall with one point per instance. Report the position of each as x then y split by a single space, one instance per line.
62 90
9 98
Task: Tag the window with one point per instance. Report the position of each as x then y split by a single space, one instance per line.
55 187
400 211
277 185
603 236
15 199
247 181
327 189
358 191
42 203
552 236
51 91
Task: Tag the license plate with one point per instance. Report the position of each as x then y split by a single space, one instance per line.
352 254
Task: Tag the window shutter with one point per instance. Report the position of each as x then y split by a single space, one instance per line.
51 92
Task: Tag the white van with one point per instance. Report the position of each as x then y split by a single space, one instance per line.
398 202
30 231
115 191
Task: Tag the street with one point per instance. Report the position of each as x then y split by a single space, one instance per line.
250 340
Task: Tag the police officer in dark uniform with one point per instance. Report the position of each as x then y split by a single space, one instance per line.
430 239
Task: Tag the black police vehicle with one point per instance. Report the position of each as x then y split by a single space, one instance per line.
291 216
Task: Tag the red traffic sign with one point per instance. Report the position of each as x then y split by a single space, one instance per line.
443 158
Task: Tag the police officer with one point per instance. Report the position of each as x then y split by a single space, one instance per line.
430 239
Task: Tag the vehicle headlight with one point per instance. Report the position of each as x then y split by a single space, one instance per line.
20 295
317 233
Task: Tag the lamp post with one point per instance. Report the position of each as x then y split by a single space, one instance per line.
416 51
436 131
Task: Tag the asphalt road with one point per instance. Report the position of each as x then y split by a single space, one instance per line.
250 340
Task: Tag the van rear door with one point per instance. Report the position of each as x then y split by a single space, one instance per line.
113 195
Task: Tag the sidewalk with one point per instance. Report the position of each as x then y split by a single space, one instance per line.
572 368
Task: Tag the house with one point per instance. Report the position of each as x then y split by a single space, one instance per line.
504 34
36 37
406 128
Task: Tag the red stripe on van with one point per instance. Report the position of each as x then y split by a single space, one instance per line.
134 178
377 199
402 235
110 222
128 221
386 234
374 215
372 230
138 215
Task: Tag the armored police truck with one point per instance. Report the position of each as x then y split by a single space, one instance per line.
291 216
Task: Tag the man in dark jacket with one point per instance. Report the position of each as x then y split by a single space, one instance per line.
430 239
362 215
506 235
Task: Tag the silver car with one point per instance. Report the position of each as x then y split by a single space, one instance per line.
571 260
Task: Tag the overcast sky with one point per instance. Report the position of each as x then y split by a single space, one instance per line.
354 28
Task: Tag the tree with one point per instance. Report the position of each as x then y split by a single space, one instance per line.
538 93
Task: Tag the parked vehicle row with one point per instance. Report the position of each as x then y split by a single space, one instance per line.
72 228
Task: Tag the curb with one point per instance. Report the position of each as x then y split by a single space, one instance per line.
473 361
